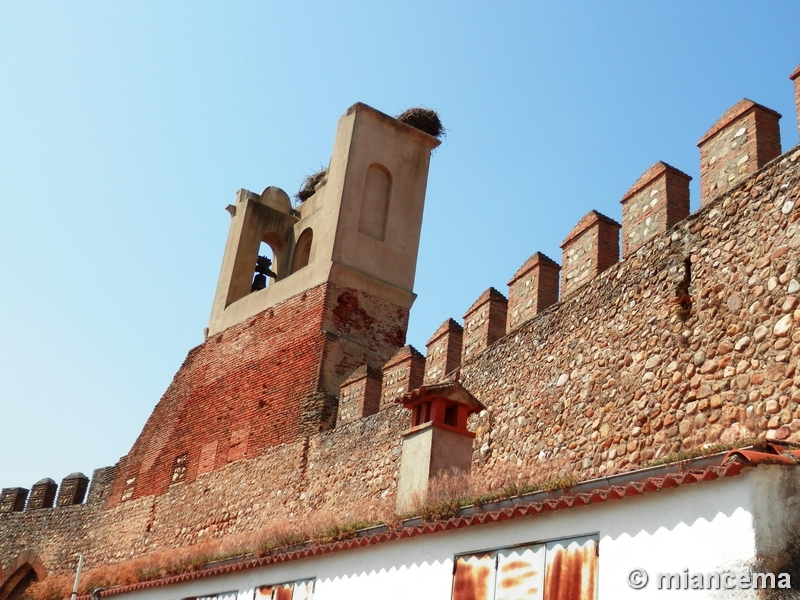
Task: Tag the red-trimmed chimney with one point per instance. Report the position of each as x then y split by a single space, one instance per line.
532 289
359 395
438 440
658 200
484 323
590 248
744 139
444 351
401 374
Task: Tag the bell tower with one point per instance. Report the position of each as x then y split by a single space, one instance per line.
283 336
359 229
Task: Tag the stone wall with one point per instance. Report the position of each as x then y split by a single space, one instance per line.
613 377
349 471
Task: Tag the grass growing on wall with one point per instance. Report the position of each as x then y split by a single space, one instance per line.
448 494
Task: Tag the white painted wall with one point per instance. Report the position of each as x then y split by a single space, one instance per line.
703 527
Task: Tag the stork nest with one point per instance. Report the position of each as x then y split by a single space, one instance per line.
423 119
310 184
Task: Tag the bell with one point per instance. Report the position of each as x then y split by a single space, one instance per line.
259 282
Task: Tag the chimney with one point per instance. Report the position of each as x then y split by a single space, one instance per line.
401 374
484 323
532 289
590 248
444 351
359 396
438 441
656 202
744 139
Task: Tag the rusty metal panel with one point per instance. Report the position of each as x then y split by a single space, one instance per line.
474 577
520 573
571 571
284 592
221 596
264 592
304 590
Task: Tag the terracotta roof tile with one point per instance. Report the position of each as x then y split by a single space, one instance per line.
564 501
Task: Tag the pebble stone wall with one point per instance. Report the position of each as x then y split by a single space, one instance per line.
612 377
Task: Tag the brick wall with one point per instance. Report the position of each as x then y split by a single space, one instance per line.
259 384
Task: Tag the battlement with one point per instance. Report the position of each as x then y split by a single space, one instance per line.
46 494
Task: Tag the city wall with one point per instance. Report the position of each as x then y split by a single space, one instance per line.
642 360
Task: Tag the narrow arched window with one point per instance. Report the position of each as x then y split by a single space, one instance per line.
302 250
375 202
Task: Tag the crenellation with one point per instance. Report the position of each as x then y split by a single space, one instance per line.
444 351
360 395
796 78
13 499
742 141
43 494
532 289
589 249
72 489
484 323
656 202
100 485
402 373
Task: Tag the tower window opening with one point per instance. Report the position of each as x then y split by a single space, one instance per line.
263 268
302 251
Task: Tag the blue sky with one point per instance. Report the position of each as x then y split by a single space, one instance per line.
127 127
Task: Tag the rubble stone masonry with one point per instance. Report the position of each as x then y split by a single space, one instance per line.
613 377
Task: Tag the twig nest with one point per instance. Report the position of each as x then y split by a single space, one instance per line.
423 119
310 185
